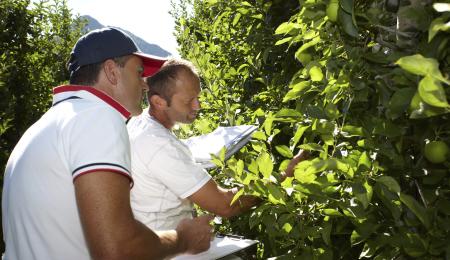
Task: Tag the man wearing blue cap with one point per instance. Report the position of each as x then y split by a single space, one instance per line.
67 183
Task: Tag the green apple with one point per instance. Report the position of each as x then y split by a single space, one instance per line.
436 151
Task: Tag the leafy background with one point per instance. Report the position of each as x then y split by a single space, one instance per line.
35 41
362 85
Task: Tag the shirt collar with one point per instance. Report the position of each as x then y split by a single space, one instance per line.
86 92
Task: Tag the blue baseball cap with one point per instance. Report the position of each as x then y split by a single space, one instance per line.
107 43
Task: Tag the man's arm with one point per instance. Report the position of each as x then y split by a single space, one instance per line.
111 232
290 169
217 200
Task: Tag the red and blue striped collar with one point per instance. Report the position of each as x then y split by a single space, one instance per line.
67 91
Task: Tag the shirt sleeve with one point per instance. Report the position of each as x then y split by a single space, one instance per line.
97 140
174 166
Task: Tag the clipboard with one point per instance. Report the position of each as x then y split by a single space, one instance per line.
221 246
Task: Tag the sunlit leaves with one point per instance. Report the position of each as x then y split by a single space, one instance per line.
237 196
432 92
284 151
297 88
276 196
419 65
265 164
288 28
439 24
307 45
316 73
332 88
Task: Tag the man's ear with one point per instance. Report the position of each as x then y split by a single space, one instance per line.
111 72
158 102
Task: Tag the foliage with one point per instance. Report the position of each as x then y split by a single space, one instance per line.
363 91
35 42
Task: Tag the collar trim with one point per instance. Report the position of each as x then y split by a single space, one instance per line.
100 94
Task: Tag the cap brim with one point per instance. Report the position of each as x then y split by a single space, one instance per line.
151 63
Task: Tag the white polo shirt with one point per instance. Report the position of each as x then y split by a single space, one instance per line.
82 133
164 174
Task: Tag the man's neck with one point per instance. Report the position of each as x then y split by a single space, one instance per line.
161 118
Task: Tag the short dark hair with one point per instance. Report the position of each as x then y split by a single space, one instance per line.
88 74
162 83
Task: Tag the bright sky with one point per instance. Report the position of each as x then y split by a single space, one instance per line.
148 19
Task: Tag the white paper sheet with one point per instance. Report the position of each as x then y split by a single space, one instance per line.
232 138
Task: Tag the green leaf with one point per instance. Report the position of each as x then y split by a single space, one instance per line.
253 167
268 123
296 91
304 176
316 73
307 45
438 24
364 161
284 40
239 167
347 23
299 133
276 196
222 153
303 57
236 18
420 109
217 160
400 101
416 208
287 28
237 195
414 245
419 65
351 130
326 232
361 194
284 151
265 164
389 200
258 16
259 135
332 212
390 183
211 2
287 227
286 112
312 147
355 238
346 5
432 92
332 111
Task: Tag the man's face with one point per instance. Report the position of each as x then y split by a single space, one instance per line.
184 104
131 85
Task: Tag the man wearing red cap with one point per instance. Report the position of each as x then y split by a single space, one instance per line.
67 183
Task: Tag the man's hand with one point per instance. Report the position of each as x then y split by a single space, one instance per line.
195 234
300 156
